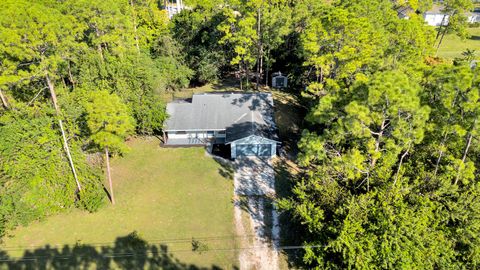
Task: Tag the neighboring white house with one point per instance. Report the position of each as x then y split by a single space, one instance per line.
435 17
173 7
244 121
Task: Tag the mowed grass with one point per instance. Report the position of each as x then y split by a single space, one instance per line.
166 195
452 46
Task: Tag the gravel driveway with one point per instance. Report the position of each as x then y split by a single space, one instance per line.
254 177
254 182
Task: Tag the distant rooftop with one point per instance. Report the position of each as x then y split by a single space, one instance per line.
438 9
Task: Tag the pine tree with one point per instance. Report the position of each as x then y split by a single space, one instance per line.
110 123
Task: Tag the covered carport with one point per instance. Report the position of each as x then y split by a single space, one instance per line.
253 146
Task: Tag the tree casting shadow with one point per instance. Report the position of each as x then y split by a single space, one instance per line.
128 252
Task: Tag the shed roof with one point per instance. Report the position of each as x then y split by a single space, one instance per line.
240 114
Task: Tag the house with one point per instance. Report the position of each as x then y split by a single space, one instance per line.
436 17
404 12
244 121
173 7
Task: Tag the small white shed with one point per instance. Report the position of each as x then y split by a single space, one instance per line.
279 80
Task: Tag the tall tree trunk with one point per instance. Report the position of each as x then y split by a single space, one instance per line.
377 149
261 66
321 75
257 76
377 142
400 166
4 100
443 34
107 159
135 26
441 39
440 28
260 49
444 140
99 45
240 75
100 53
467 148
70 76
247 74
266 75
440 155
267 55
60 123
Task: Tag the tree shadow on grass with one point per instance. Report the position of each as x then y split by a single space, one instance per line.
129 252
226 169
227 84
474 37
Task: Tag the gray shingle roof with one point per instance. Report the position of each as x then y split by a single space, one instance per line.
240 114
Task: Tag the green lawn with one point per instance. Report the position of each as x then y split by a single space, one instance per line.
452 46
165 195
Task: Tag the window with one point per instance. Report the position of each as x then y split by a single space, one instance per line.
222 132
181 132
210 132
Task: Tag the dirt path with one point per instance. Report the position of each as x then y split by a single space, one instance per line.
255 215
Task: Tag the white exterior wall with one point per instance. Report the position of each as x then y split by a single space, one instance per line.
172 135
173 8
202 135
252 140
474 18
435 19
190 134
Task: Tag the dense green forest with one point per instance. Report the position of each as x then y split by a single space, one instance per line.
390 152
76 78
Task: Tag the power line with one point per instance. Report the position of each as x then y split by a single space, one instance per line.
146 253
150 241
